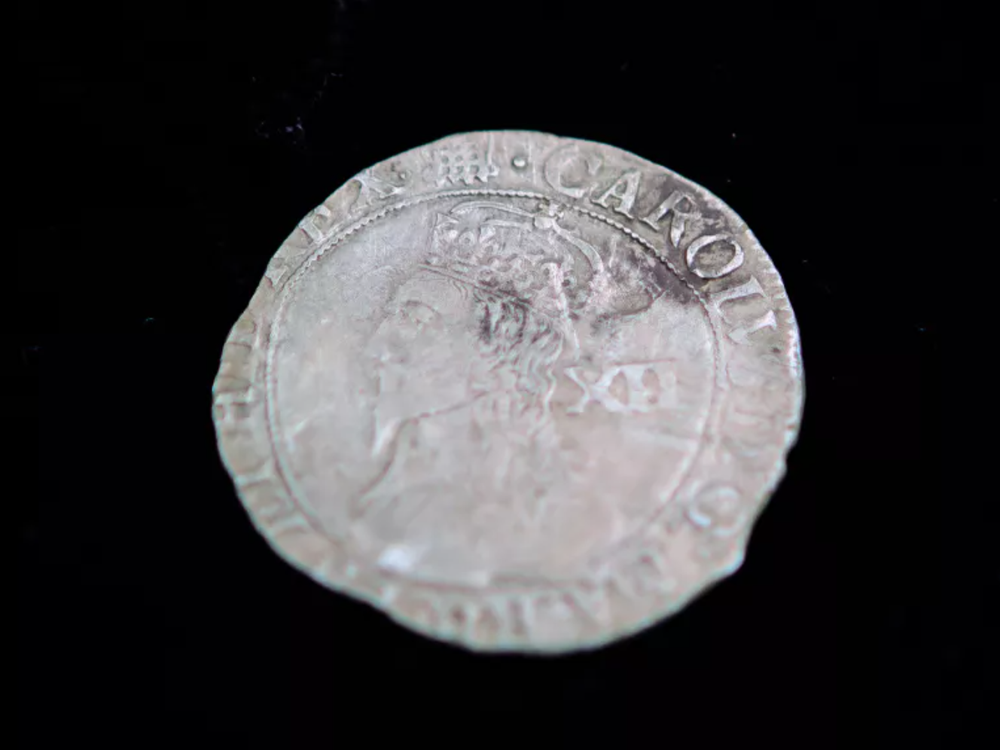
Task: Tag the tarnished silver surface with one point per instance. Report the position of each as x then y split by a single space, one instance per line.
521 392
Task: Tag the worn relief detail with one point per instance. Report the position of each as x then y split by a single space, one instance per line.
465 164
642 387
533 401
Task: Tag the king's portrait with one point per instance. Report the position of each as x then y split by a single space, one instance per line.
466 360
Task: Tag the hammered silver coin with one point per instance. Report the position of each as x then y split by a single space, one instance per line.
520 392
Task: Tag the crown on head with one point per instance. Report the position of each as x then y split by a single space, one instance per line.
505 251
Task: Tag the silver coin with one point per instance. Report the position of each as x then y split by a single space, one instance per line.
521 392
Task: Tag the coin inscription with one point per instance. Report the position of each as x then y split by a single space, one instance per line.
521 392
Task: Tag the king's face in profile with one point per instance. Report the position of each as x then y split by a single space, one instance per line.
452 428
423 354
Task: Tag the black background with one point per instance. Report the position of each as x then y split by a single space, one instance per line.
168 149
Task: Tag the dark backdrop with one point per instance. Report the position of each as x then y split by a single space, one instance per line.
168 149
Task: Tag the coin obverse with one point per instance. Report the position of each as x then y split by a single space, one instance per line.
520 392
